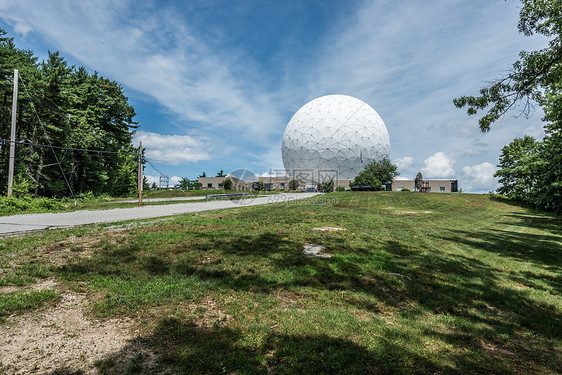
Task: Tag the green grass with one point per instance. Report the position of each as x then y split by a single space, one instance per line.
17 302
472 286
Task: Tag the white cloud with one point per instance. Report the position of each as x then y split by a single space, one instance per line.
274 173
404 163
480 177
438 165
152 179
170 62
173 149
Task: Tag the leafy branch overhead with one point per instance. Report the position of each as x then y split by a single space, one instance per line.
529 76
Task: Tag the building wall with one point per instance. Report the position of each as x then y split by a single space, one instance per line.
436 185
212 183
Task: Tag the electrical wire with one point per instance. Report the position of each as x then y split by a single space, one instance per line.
67 148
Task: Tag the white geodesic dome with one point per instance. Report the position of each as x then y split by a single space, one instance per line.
333 137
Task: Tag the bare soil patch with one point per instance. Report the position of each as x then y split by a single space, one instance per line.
61 339
329 229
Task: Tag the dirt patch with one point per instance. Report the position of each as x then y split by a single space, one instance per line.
329 229
42 285
208 314
315 251
403 212
61 338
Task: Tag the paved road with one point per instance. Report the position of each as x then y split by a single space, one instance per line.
31 222
147 200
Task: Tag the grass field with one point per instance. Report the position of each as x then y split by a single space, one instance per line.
417 283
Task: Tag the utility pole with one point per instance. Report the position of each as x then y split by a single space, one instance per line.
13 135
140 174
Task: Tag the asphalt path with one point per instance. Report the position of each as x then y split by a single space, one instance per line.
16 224
148 200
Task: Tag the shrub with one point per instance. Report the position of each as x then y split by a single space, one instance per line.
227 184
13 205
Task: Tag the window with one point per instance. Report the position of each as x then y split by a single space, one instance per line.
442 189
209 185
399 188
282 185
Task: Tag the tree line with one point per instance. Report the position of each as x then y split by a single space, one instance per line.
65 106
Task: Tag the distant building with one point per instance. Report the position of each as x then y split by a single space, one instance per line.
435 185
282 183
269 183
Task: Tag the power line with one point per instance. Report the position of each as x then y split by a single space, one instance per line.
66 148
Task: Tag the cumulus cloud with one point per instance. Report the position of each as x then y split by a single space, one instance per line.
438 165
173 149
480 177
404 163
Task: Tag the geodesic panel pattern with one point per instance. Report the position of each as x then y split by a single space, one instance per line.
329 136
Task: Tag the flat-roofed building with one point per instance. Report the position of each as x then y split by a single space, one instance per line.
432 186
282 183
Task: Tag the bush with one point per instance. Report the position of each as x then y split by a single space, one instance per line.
13 205
340 188
328 186
405 189
293 184
227 184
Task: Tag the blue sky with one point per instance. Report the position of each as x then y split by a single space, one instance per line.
214 83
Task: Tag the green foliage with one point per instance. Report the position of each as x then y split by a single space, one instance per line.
78 110
220 173
184 183
529 76
530 171
376 173
259 185
340 188
12 205
21 186
203 175
327 186
294 184
405 189
227 184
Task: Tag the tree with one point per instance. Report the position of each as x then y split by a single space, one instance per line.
294 184
227 184
258 185
518 168
66 107
203 175
327 186
184 183
529 76
530 171
376 173
549 186
220 173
